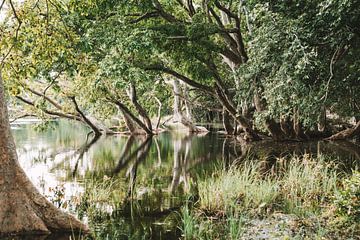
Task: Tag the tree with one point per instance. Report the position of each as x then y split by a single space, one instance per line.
23 209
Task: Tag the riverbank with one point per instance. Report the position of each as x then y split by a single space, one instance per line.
297 198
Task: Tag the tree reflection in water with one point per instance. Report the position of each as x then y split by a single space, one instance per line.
159 171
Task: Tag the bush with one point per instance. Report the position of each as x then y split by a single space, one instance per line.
347 200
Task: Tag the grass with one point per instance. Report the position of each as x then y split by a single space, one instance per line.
197 226
299 186
101 196
237 202
295 198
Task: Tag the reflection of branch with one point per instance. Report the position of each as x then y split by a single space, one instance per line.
141 155
84 149
124 160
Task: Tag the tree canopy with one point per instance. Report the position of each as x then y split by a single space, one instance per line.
277 69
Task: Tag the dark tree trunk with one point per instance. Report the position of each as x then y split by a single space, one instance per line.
85 119
322 120
250 133
132 117
286 127
131 125
275 130
272 126
23 209
226 122
299 133
347 133
138 107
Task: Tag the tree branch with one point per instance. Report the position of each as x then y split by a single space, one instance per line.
181 77
127 111
49 112
145 16
163 14
86 120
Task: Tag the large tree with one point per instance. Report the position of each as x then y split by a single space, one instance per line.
23 209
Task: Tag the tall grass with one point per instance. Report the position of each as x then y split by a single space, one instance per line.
290 186
100 196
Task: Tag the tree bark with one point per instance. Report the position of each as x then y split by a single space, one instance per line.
286 127
23 209
275 130
133 97
178 115
272 126
131 125
86 120
158 114
226 123
131 116
297 125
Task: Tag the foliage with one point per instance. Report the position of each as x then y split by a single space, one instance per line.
301 188
347 200
297 57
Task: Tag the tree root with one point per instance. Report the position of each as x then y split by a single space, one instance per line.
25 211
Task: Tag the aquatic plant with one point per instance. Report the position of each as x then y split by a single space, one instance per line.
289 186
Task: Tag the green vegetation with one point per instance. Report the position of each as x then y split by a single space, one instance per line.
298 198
347 200
291 188
286 71
304 190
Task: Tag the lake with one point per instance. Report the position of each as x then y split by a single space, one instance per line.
150 179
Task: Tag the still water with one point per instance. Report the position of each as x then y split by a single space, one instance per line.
150 178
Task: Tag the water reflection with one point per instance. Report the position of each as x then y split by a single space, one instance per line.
156 171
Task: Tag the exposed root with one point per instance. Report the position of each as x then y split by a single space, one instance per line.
25 211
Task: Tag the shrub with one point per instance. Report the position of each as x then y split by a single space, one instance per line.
347 200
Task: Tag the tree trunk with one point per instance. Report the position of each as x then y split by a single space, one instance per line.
178 115
272 126
159 114
129 116
322 120
133 97
23 209
86 120
297 125
250 133
176 106
226 123
188 107
347 133
286 127
275 130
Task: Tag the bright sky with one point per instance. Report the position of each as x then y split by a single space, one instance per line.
3 11
5 8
